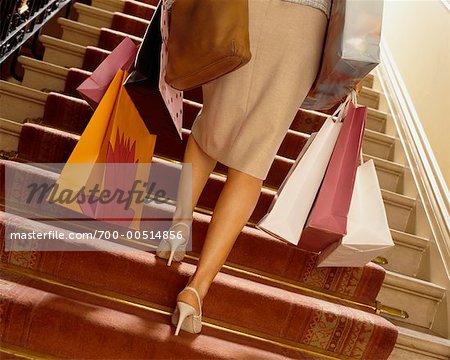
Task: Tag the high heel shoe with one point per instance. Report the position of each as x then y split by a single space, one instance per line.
173 248
184 316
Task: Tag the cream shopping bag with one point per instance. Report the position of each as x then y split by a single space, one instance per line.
291 206
368 234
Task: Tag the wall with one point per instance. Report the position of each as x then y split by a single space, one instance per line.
418 34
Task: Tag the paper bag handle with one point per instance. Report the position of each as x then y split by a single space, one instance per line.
338 114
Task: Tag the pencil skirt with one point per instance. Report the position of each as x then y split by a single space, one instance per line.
247 113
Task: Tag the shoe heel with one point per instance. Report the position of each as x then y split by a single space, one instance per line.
184 311
174 244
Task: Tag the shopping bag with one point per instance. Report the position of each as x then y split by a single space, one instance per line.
327 221
113 154
159 105
291 205
95 86
368 234
351 51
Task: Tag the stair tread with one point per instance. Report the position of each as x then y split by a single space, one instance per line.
304 274
411 239
399 198
92 29
267 194
292 134
380 136
282 308
414 284
422 341
50 40
44 65
387 164
150 332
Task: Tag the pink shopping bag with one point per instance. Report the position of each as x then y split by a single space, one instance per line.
173 98
95 86
327 221
160 106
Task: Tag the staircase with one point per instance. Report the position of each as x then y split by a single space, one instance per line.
273 303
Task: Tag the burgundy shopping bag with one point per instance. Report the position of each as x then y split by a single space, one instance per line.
327 221
95 86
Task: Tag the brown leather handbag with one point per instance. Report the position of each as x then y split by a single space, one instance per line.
207 39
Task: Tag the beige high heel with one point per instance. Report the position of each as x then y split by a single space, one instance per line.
173 248
184 316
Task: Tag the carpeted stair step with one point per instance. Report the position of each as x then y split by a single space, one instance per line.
56 321
85 35
43 144
273 259
119 21
66 113
110 38
237 302
129 24
32 106
305 121
60 110
375 143
76 113
130 7
75 78
93 58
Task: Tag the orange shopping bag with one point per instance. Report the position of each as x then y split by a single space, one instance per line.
108 170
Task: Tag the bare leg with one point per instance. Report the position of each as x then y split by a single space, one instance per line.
202 166
233 209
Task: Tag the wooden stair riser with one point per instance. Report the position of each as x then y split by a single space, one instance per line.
100 18
93 16
379 145
80 34
421 307
63 53
9 135
406 256
376 120
42 75
121 6
20 104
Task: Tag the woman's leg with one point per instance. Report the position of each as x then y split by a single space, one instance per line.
232 211
202 166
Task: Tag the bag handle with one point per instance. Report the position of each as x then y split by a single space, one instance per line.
340 111
338 114
355 102
354 98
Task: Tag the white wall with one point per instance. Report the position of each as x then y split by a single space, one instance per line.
418 34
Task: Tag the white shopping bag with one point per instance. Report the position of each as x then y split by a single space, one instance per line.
291 206
368 234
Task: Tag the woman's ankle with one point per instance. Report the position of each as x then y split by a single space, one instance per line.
181 227
198 285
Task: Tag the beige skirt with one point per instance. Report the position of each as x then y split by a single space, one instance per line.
247 113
